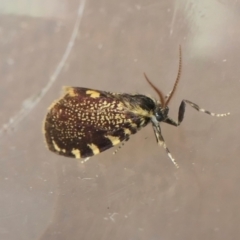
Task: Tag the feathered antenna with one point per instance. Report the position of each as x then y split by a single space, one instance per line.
178 77
160 94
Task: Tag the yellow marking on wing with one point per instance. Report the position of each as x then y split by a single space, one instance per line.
53 104
93 94
57 148
134 125
127 131
69 90
76 153
113 139
94 148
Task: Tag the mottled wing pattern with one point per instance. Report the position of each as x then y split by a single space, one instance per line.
86 122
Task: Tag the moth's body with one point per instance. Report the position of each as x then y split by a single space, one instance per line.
85 122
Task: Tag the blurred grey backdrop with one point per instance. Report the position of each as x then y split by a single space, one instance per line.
137 194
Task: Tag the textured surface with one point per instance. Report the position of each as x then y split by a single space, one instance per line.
137 193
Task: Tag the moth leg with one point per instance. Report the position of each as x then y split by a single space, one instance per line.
171 122
121 145
85 160
161 142
181 112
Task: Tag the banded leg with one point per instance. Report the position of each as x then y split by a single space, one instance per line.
121 145
85 160
181 112
161 142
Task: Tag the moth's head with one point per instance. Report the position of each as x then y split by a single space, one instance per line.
161 113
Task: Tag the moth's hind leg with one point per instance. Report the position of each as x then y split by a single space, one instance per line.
181 112
85 159
120 145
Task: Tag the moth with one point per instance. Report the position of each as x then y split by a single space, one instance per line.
85 122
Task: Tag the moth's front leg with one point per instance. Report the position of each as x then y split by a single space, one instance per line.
161 142
181 113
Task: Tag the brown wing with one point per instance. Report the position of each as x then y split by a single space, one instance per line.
86 122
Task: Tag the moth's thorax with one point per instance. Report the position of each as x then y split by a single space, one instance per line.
139 104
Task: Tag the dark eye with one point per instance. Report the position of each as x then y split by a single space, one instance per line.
161 114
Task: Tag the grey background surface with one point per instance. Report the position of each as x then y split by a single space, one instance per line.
138 193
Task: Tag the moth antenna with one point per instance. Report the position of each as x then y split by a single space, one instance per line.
178 77
160 94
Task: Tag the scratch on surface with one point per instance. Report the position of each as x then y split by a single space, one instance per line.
173 17
31 102
117 192
112 216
